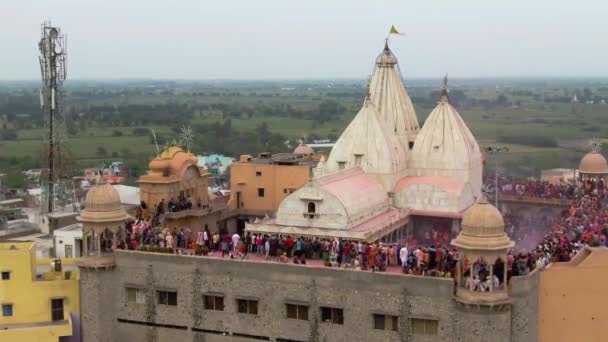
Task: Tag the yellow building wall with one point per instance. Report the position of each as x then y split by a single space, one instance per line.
36 334
573 301
31 298
276 180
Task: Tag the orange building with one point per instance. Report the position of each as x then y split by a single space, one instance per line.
172 174
258 185
573 299
175 173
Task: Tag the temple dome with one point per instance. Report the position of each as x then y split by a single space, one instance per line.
304 149
367 143
172 161
593 163
103 204
483 227
446 147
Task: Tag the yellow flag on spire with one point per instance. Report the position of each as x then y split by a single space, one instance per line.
394 31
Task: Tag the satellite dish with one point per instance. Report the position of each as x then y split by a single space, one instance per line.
53 33
58 50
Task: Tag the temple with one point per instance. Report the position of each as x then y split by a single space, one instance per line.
178 186
386 179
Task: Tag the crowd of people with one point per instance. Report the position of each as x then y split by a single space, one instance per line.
585 222
534 188
419 260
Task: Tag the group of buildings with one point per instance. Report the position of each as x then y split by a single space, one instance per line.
386 179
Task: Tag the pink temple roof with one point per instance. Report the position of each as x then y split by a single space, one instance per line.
355 189
448 184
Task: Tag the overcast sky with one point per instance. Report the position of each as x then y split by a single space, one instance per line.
263 39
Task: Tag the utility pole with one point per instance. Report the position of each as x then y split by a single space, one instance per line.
495 150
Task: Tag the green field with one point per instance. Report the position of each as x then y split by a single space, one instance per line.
542 133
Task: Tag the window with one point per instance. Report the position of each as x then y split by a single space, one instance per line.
214 303
312 208
260 192
296 311
7 310
167 298
248 306
341 165
136 295
285 190
57 309
358 159
332 315
386 322
6 275
424 326
258 173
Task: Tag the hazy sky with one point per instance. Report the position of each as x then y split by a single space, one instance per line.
263 39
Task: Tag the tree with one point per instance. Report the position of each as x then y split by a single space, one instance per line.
8 135
125 152
15 180
140 131
116 133
101 151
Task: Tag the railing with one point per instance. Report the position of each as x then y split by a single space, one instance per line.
213 207
535 200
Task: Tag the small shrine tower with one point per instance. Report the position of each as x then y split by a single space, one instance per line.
482 255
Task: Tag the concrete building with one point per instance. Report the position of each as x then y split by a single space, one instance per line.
259 185
166 297
36 306
572 299
67 241
216 164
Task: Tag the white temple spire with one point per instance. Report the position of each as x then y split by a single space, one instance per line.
390 96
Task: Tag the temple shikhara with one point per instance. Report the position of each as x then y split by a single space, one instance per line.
386 178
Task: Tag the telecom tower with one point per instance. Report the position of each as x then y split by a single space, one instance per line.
53 59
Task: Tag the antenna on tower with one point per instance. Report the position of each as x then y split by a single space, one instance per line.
53 58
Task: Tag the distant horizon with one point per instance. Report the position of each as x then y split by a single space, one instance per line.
357 79
315 39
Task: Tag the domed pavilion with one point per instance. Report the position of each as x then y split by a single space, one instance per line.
482 245
593 166
103 220
304 150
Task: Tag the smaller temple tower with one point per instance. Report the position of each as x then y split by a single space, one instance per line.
103 229
481 275
103 221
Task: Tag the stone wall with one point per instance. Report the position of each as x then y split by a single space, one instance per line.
108 316
524 292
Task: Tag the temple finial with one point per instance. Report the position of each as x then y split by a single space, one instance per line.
444 89
595 145
386 44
